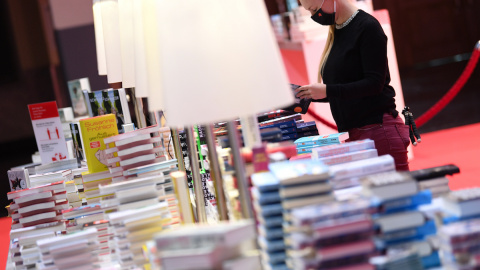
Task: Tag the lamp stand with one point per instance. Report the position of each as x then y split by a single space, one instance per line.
242 183
216 173
197 179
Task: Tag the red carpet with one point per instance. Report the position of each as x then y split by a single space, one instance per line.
4 240
459 146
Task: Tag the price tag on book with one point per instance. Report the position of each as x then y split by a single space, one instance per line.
48 131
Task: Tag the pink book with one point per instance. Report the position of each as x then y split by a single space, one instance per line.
25 192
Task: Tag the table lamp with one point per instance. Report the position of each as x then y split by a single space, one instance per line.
219 60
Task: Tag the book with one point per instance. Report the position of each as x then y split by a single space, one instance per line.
291 118
263 117
111 101
17 179
302 134
303 190
389 185
403 204
349 157
462 203
299 171
179 180
77 142
281 125
322 139
75 89
94 130
400 221
307 126
300 105
289 137
47 128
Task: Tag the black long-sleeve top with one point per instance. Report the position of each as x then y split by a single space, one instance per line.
357 76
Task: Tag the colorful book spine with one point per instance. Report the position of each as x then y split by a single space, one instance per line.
281 125
289 137
94 130
286 131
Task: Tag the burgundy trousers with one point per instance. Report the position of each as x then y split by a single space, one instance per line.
391 137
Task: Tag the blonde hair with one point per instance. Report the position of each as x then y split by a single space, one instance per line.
326 51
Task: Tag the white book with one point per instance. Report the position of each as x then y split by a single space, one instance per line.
349 157
33 197
400 221
137 159
123 216
32 239
154 150
46 244
124 104
138 204
338 149
60 186
389 185
435 182
42 216
361 168
179 180
136 182
306 201
38 229
138 194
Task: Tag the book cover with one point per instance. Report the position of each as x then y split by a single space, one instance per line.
93 131
77 142
300 105
322 139
48 131
17 179
110 101
75 89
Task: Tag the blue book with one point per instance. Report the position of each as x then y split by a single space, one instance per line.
322 139
302 134
271 233
283 125
433 260
274 258
265 197
272 221
453 219
402 236
291 136
307 126
404 204
271 246
265 182
269 209
286 131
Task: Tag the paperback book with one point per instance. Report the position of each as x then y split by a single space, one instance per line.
75 89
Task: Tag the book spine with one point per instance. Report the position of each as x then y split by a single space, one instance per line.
87 102
349 157
307 133
286 131
342 148
282 125
125 108
291 136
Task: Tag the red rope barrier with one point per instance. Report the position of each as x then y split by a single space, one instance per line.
440 105
448 97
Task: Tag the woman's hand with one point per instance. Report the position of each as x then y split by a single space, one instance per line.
313 91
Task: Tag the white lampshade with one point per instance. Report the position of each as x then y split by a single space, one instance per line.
99 41
152 52
219 60
111 34
139 50
125 8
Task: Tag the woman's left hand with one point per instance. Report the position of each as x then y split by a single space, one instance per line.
313 91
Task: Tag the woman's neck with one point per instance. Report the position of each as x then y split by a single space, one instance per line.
345 11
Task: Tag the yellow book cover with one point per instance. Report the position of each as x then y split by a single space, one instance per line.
94 130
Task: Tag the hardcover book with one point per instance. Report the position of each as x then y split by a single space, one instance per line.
76 88
94 130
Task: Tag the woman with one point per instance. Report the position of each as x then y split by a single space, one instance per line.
356 78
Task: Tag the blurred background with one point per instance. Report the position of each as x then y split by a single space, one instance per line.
45 43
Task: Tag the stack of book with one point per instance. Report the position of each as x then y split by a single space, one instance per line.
307 129
334 235
36 180
269 214
460 245
435 178
216 246
287 126
74 251
77 217
133 228
61 165
72 194
398 220
306 144
91 183
36 214
461 205
134 149
288 185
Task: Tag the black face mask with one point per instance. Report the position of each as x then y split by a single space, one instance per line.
324 18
